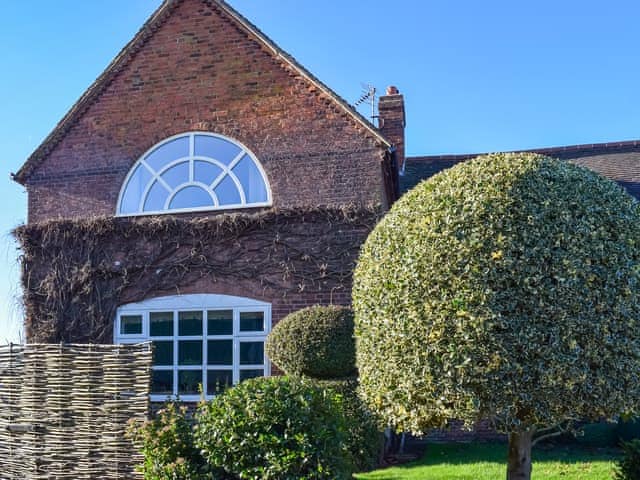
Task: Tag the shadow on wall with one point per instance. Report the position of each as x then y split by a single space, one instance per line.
633 188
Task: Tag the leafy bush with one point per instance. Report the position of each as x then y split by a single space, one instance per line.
601 434
628 429
364 439
275 428
504 288
316 342
166 443
628 468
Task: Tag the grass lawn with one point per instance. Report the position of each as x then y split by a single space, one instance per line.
479 461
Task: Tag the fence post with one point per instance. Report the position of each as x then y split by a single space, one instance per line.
11 396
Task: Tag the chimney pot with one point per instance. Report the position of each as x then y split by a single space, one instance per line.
392 90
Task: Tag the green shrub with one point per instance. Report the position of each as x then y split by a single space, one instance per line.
628 429
504 288
316 342
364 439
628 468
166 443
601 434
275 428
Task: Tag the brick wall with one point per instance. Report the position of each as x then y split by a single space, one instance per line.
392 121
200 71
77 272
281 305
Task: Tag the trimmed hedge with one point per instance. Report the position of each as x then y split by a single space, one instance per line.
316 342
273 429
608 434
628 429
601 434
504 288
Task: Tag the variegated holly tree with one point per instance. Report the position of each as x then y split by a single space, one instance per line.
506 289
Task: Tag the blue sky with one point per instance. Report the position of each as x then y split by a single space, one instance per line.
477 76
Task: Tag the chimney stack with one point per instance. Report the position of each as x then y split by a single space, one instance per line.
391 120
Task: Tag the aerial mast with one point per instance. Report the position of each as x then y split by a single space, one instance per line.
369 97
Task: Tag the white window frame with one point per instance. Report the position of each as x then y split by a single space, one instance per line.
191 158
202 303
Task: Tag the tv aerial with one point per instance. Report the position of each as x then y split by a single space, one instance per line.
368 97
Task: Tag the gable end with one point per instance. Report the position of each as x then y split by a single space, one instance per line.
156 20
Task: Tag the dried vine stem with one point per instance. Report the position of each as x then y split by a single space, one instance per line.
75 273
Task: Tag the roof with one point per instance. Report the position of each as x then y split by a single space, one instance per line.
618 161
128 52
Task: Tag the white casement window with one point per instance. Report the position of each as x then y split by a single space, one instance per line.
203 341
194 171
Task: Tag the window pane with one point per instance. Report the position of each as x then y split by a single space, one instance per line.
189 382
220 352
190 352
227 192
131 325
190 323
155 198
163 353
251 353
191 197
168 152
206 172
162 382
161 324
220 322
218 381
214 147
138 181
251 180
252 321
177 175
246 374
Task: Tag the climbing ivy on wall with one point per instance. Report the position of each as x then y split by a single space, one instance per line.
75 273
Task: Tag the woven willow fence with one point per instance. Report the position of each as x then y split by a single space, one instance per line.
64 410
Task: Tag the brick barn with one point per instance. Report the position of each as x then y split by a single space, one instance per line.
205 186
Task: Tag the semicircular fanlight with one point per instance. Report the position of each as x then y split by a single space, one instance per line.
192 172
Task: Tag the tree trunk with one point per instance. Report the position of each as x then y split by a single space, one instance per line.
519 467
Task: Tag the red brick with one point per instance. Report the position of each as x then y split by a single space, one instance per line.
199 71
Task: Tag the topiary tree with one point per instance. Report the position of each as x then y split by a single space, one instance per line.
505 288
316 343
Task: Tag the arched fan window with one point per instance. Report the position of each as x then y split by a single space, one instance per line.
194 172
